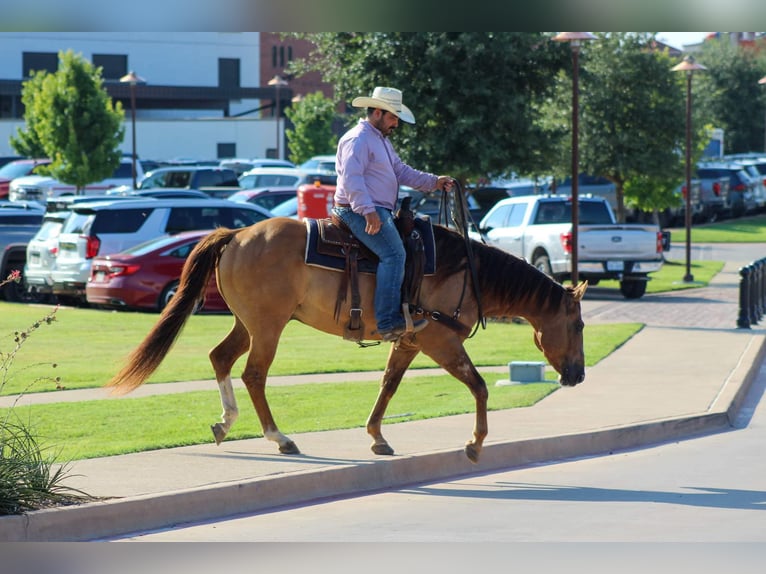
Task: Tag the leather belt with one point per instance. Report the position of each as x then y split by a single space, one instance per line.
345 205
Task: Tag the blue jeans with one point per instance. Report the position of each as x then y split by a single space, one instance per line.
387 245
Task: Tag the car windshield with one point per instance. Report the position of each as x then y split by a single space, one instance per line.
286 208
151 245
13 170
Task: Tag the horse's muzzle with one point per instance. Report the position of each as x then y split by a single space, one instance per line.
572 375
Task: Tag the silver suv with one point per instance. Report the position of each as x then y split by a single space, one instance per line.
100 229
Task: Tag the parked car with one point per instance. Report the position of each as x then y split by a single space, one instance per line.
42 249
279 177
19 221
538 228
241 165
159 192
741 198
94 229
321 163
41 257
266 197
756 169
40 188
214 181
16 169
287 208
146 276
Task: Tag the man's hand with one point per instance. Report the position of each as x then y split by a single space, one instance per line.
444 183
373 223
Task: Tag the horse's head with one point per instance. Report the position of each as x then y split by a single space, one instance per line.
558 335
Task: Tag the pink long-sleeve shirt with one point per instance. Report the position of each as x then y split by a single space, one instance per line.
370 171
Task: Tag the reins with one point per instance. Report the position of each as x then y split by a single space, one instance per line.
462 219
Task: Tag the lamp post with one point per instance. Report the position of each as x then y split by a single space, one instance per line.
763 81
575 39
133 79
688 65
278 83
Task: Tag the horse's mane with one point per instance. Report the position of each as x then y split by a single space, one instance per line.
503 278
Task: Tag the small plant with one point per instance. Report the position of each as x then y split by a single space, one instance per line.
30 478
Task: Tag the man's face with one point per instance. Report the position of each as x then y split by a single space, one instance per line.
384 121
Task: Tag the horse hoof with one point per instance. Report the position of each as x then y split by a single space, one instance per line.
289 448
472 452
218 433
382 449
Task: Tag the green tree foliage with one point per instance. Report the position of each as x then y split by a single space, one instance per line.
471 93
26 142
312 134
74 120
632 114
729 93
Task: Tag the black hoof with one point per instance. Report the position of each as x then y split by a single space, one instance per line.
289 448
382 449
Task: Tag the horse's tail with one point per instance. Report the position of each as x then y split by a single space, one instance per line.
199 266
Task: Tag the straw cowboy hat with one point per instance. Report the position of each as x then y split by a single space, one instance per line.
389 99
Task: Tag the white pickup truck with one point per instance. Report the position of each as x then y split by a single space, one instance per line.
538 228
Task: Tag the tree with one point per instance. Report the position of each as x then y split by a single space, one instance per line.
729 93
312 134
472 93
632 114
26 142
74 120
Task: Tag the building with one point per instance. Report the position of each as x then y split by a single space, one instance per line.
205 95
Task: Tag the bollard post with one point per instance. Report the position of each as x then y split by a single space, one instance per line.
743 322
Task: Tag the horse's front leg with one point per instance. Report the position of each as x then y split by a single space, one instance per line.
454 360
399 359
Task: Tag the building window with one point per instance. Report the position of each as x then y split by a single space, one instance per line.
39 61
226 150
228 72
114 66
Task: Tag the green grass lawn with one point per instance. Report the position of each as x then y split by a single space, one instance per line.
88 347
741 230
670 276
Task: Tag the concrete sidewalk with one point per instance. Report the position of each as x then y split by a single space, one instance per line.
685 374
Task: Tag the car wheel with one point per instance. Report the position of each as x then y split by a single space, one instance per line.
633 289
543 263
169 292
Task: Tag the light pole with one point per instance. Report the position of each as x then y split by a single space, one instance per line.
133 79
278 83
763 81
688 65
574 39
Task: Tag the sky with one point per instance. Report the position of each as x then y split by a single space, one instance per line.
681 39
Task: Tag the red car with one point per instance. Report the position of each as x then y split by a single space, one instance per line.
18 168
145 277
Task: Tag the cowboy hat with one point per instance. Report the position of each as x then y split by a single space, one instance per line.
389 99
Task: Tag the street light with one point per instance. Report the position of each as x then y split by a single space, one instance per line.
133 79
763 81
278 83
574 39
689 66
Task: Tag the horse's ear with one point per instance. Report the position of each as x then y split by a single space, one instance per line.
579 291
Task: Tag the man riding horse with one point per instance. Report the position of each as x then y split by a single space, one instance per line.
369 175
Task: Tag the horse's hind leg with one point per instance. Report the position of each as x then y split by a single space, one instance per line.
399 359
223 357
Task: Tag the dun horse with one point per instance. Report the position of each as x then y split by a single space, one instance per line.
262 275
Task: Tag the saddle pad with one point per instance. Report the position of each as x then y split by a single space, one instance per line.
325 251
